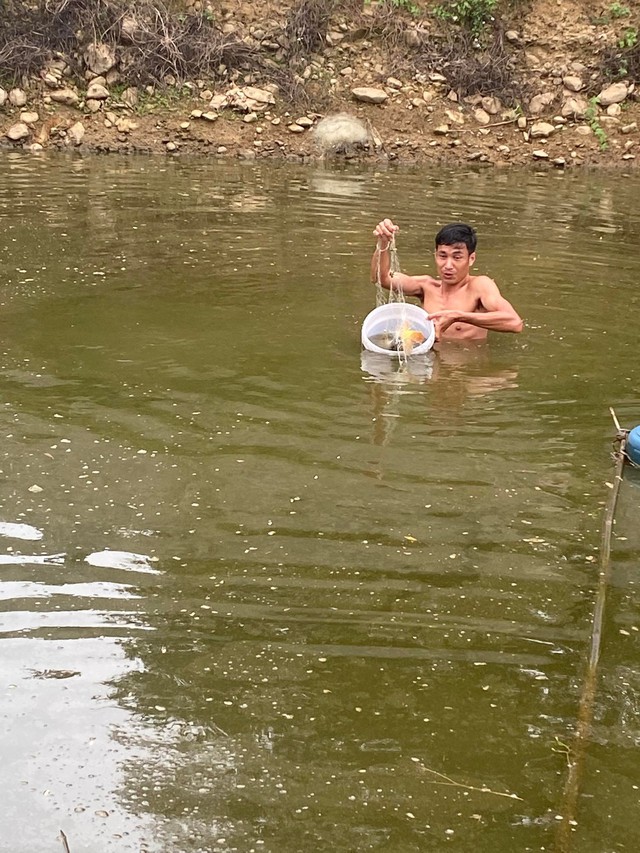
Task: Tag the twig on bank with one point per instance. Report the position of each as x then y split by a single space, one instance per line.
501 123
65 843
476 129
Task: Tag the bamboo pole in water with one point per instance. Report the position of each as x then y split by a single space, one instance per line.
587 697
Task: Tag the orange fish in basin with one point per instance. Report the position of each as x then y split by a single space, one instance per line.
408 338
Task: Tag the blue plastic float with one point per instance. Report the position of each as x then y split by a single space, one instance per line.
633 445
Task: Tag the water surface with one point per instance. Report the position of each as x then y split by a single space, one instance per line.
262 592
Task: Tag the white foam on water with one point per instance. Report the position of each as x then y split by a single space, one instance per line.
20 531
122 560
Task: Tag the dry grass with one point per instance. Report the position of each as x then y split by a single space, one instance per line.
618 63
161 44
471 69
292 89
181 46
32 33
184 46
387 26
471 66
307 25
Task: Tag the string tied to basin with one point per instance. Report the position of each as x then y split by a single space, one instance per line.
395 327
393 294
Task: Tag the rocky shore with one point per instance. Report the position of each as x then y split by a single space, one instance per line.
369 105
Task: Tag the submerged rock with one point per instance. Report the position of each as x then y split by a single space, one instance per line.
341 132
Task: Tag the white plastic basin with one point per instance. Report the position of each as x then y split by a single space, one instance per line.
389 319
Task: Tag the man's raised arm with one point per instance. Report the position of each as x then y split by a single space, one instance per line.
381 263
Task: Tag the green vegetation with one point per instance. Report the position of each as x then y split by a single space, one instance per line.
474 15
628 39
591 115
407 5
623 58
162 100
616 10
613 13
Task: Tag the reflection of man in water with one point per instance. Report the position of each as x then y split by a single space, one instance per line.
461 374
462 306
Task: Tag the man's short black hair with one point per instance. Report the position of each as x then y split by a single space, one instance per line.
457 232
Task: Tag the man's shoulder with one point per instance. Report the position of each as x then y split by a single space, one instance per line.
427 281
481 282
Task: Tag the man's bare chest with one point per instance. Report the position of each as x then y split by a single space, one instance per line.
462 299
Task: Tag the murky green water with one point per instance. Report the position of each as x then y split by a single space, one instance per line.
279 597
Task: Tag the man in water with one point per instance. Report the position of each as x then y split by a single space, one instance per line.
462 306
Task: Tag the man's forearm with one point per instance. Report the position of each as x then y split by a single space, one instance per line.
493 321
380 267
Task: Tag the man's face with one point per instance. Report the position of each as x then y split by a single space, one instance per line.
454 262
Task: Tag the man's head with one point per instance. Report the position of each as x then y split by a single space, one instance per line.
457 232
455 251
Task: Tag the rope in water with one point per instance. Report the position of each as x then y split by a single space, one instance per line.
395 294
587 697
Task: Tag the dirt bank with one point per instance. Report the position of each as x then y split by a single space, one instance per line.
544 82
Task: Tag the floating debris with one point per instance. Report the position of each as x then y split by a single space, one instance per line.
54 673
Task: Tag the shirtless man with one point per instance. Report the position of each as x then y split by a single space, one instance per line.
462 306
